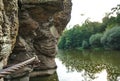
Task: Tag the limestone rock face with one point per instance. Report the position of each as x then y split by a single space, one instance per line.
8 28
62 18
40 24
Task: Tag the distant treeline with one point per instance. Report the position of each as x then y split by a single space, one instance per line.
94 34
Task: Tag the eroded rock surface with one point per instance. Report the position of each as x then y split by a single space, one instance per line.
8 28
40 24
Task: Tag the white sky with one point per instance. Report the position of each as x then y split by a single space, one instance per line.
94 9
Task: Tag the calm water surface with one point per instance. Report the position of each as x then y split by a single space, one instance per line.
88 65
75 65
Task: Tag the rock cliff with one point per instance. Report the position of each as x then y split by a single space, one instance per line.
8 28
35 26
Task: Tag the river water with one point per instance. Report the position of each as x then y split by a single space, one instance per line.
87 65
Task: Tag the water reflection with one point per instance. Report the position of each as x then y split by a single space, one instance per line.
65 75
90 65
53 77
25 78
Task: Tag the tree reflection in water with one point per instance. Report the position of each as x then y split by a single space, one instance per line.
92 62
88 65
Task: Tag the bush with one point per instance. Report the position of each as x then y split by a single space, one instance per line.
111 38
95 40
61 42
85 45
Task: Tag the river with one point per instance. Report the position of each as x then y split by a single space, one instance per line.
87 65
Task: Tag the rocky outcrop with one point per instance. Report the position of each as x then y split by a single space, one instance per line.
62 18
8 28
40 24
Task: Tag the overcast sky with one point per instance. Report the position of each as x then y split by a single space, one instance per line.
94 9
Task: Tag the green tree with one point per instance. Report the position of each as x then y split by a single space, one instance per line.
85 45
95 40
62 42
81 35
111 38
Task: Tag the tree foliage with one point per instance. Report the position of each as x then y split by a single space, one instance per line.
95 40
111 38
87 34
85 45
74 37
